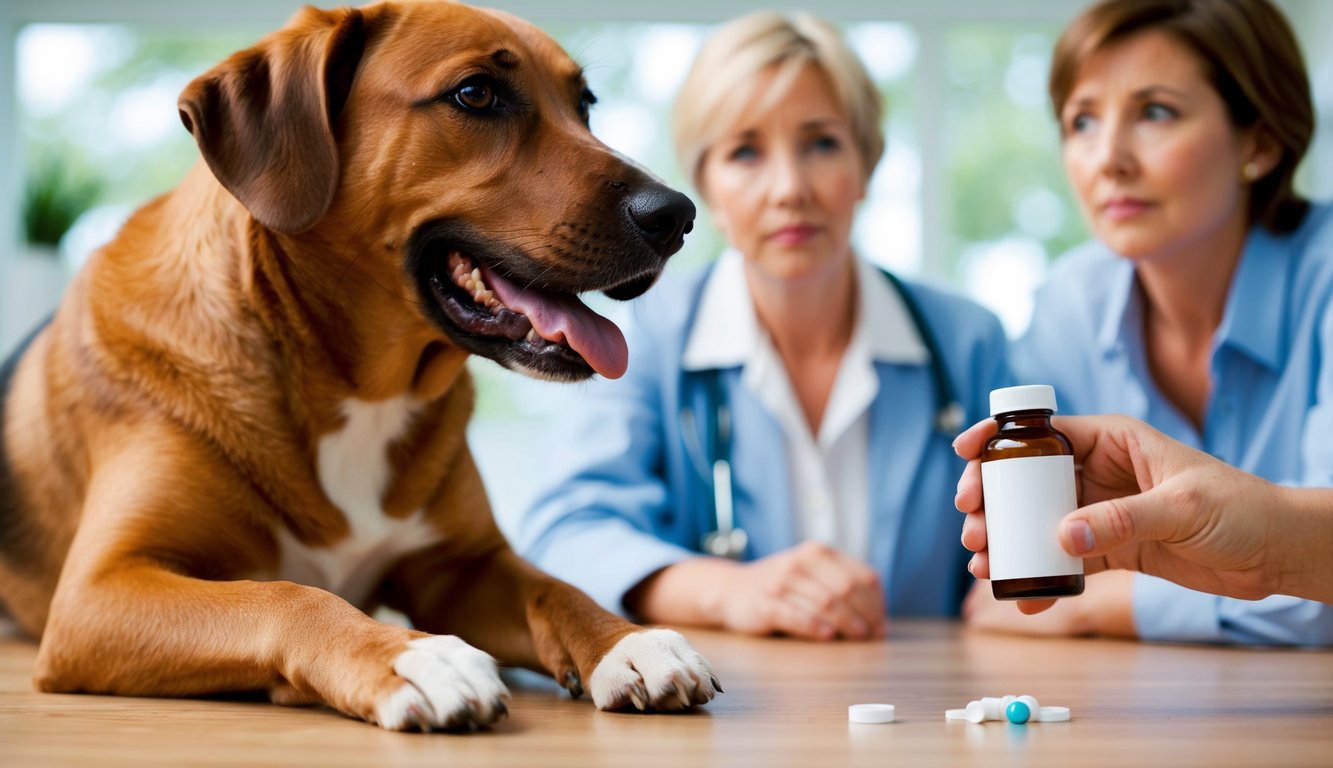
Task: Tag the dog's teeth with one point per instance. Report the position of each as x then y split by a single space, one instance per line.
532 335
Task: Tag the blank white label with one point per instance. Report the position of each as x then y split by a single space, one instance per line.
1026 499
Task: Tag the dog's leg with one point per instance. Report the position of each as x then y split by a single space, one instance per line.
524 617
132 614
472 584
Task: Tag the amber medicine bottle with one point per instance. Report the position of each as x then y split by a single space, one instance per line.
1027 480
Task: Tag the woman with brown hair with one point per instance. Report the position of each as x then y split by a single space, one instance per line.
1206 305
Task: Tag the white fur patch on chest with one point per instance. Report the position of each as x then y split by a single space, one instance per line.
354 472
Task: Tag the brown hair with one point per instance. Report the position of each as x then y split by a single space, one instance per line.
1250 56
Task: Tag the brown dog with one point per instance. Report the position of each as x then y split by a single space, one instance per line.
244 427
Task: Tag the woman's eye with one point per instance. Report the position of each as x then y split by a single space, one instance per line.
1158 112
477 94
743 153
826 144
1080 123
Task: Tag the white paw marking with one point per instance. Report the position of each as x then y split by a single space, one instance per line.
656 669
450 684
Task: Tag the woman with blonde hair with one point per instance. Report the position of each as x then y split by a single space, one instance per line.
777 459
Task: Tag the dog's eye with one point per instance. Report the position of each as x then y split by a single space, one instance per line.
586 100
476 94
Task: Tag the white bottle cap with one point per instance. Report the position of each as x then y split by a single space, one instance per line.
870 713
1031 397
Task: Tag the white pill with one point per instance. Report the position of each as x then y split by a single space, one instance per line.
955 714
870 713
1031 702
1052 714
975 712
995 705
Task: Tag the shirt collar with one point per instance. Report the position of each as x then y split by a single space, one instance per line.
1250 320
1123 309
891 334
726 332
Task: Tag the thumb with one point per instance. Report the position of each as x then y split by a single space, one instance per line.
1102 528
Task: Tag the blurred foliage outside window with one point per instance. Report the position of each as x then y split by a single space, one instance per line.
1008 209
98 104
55 195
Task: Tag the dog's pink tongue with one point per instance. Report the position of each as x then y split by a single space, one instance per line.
563 319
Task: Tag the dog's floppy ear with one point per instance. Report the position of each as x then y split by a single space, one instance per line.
264 118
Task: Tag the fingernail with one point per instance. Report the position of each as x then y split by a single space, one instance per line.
970 564
1080 535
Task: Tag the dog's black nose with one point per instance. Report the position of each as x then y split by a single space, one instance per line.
663 216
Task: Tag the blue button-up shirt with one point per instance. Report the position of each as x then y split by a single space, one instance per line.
1270 410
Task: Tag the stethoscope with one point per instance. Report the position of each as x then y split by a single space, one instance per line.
730 540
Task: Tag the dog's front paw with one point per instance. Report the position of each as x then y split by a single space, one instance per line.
656 669
450 685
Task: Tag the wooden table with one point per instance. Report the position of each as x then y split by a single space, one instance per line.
786 703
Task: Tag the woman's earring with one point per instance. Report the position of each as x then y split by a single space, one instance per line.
1250 171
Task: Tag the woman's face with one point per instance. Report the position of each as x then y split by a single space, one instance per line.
1151 151
783 183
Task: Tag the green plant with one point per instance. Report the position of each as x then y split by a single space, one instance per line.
54 197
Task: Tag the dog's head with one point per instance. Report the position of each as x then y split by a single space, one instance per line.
444 151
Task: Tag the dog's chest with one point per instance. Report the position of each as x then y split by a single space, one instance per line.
354 470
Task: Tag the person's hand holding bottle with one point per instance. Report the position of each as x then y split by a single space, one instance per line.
1154 505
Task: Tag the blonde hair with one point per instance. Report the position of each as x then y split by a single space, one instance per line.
722 77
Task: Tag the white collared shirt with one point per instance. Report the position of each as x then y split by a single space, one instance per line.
829 472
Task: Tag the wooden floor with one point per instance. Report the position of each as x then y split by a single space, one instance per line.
786 705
